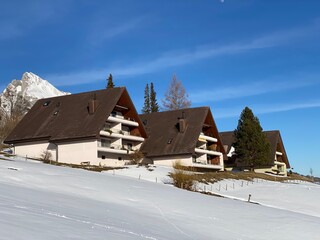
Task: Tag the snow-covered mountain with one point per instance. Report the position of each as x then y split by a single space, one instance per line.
29 89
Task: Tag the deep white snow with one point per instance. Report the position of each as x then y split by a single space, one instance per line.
40 201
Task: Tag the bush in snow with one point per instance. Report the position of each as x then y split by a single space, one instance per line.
136 157
46 156
181 178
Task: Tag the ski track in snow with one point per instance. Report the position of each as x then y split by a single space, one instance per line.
92 224
169 222
108 227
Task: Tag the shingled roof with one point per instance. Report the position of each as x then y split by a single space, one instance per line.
274 138
164 137
276 144
227 139
67 117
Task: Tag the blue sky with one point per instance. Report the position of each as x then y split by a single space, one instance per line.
228 54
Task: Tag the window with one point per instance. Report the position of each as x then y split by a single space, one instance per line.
46 103
105 143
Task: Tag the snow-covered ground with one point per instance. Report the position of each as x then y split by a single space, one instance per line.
294 196
40 201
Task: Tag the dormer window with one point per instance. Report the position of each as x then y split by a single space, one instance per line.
46 103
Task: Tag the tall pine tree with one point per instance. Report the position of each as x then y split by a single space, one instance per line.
251 145
176 96
110 81
146 106
154 107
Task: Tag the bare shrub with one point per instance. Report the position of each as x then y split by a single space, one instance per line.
136 157
181 178
46 157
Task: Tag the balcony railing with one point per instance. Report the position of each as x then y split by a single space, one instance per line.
115 149
120 134
207 138
209 166
121 119
209 152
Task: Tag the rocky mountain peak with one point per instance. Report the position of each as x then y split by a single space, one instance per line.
28 90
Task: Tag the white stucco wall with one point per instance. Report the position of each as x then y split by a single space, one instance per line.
282 171
185 160
78 152
112 159
35 149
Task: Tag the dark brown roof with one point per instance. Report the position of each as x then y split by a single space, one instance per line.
274 138
276 144
227 139
164 138
67 117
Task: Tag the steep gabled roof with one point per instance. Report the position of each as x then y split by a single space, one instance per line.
164 138
276 143
67 117
227 139
274 138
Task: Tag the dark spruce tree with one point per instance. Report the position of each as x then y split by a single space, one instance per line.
154 107
251 145
110 81
146 106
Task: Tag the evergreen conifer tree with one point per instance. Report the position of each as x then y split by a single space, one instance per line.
154 107
176 96
146 106
110 81
251 145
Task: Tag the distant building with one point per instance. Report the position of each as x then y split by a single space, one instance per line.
99 128
278 162
189 136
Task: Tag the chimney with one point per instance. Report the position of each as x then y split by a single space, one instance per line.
93 105
182 122
183 115
182 125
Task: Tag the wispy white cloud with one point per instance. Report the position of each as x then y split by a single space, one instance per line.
265 109
253 88
169 59
290 35
102 31
17 21
287 107
178 58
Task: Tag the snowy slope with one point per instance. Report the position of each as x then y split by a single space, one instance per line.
40 201
269 193
298 197
31 88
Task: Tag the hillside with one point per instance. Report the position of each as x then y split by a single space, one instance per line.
40 201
